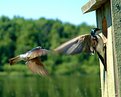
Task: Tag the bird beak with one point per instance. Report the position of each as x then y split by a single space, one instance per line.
98 30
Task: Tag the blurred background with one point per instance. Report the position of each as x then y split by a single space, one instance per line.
25 24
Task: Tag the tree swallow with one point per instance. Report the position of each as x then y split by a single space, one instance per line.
89 43
32 60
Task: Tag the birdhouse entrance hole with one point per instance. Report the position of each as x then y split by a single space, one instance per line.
104 27
105 32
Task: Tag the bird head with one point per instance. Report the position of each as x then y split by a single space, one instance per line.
94 31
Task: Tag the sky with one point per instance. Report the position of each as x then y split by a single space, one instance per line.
64 10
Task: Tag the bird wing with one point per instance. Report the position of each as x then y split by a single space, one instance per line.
75 45
103 38
36 52
36 66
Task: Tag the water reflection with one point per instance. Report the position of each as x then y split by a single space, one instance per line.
61 86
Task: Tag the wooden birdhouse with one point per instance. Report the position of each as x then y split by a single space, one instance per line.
108 16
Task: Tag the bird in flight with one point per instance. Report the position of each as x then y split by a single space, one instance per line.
89 43
32 60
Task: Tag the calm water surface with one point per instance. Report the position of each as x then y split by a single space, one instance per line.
61 86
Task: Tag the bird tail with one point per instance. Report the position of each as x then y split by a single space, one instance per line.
14 60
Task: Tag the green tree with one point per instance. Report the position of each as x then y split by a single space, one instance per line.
19 35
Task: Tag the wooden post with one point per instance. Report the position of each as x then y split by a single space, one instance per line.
108 15
116 29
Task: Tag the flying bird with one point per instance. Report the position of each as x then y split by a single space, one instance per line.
89 43
32 60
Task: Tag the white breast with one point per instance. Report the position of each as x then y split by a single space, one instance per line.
24 56
100 46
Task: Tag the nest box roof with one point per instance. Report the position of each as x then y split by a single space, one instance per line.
92 5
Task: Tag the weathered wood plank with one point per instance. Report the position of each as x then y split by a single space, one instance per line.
116 22
92 5
104 21
110 66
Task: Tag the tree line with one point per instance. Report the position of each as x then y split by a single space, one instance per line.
18 35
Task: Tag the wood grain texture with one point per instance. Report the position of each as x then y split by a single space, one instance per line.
104 21
116 23
110 65
92 5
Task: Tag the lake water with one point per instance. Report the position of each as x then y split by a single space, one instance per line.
61 86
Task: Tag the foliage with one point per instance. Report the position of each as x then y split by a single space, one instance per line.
19 35
56 86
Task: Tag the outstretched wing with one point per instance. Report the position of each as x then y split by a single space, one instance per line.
36 52
36 66
75 45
